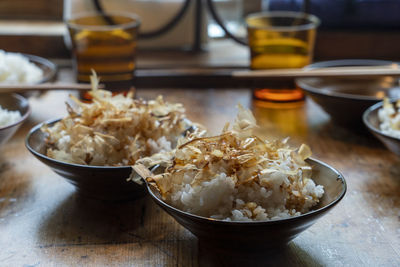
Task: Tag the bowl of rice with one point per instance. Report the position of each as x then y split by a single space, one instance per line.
94 146
383 121
19 68
238 191
14 110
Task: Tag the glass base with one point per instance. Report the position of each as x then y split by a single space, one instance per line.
116 87
278 95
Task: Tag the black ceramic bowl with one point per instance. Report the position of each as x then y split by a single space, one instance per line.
101 182
345 99
260 235
371 120
13 102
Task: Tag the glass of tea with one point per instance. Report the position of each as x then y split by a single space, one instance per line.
280 40
105 43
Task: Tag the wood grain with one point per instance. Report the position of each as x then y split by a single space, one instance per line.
28 9
44 222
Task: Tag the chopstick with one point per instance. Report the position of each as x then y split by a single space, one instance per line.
354 72
14 88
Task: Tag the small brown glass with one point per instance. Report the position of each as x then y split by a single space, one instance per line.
105 43
280 40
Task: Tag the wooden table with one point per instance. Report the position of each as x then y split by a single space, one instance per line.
43 222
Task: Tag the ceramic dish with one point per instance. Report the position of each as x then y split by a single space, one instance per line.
101 182
345 99
260 235
371 120
13 102
49 68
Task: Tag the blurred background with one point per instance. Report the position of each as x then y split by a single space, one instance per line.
184 34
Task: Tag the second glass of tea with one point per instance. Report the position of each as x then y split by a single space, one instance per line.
280 40
105 43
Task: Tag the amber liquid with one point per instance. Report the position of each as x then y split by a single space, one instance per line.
110 52
272 50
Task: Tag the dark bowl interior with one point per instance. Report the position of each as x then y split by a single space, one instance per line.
371 120
345 99
260 235
13 102
100 182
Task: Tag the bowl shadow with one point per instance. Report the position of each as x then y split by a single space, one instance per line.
138 224
281 256
355 136
79 221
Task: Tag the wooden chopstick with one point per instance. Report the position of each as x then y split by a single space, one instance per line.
354 72
13 88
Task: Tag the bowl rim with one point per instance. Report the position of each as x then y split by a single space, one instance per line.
367 114
23 116
62 163
254 223
301 82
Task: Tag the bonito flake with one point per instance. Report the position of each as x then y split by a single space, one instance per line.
115 130
238 176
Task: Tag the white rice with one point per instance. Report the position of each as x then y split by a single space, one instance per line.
389 117
219 198
8 117
17 69
237 176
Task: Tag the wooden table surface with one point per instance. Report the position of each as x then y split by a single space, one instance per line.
43 222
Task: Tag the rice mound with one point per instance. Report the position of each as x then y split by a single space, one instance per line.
8 117
237 176
115 130
389 117
15 68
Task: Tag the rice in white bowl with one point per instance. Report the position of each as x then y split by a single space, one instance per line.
15 68
389 117
8 117
237 176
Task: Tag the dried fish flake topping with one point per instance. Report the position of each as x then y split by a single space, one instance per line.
238 176
115 130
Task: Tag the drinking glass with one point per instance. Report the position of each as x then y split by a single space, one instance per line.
105 43
280 40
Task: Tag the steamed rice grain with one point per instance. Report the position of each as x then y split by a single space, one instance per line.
389 117
237 176
8 117
17 69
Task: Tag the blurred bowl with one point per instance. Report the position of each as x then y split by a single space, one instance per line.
261 234
49 68
345 99
49 72
371 120
13 102
100 182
